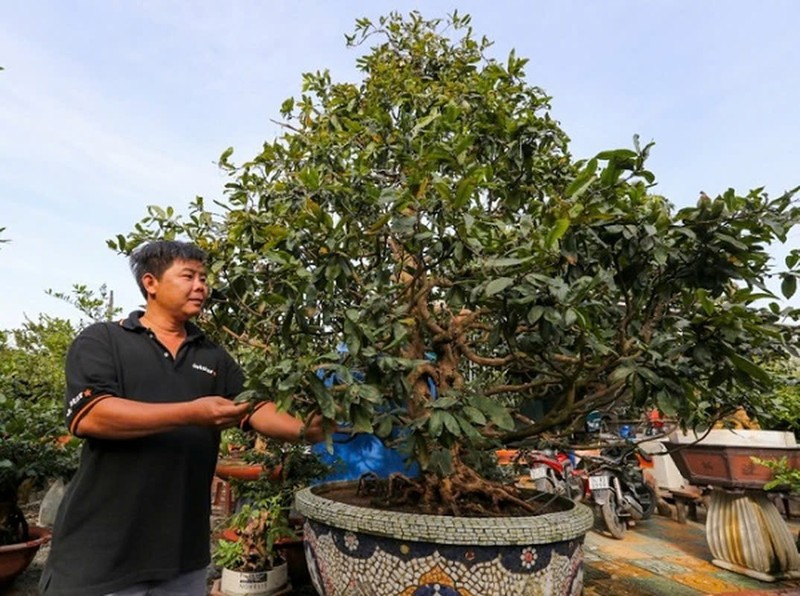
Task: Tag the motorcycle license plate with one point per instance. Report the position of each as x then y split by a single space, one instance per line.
537 473
598 482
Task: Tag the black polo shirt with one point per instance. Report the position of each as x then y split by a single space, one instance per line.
137 509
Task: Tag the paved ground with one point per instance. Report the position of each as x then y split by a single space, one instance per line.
663 557
659 557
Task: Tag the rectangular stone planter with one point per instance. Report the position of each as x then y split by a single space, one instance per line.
728 466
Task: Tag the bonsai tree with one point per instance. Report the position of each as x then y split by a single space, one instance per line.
288 468
490 287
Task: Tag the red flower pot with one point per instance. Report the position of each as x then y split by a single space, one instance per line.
241 470
15 558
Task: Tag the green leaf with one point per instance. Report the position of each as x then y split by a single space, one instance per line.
616 154
226 155
497 285
451 424
789 286
436 422
469 431
444 403
505 262
463 192
748 367
534 314
557 232
248 395
361 421
385 427
475 415
582 181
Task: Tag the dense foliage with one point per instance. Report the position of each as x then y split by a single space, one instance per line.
432 219
31 416
779 409
34 445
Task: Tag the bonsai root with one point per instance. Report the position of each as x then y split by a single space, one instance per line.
462 493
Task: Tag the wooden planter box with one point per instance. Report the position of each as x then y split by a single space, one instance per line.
728 466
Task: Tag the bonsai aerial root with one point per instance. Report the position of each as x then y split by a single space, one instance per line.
462 493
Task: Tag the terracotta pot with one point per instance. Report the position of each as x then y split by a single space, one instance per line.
15 558
241 470
728 466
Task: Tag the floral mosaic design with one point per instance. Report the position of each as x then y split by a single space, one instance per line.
347 563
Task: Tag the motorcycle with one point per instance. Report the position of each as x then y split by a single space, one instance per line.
616 487
551 470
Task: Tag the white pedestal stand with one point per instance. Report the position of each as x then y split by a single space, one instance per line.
747 535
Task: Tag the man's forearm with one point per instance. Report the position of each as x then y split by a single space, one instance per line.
268 421
120 418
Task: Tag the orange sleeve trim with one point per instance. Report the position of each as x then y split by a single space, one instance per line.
245 423
73 428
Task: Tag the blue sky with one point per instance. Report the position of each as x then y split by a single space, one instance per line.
109 106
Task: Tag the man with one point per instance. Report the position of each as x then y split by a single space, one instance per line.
150 395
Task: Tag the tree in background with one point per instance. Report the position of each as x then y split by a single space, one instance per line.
432 219
779 409
32 387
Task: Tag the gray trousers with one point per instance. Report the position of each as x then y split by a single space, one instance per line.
193 583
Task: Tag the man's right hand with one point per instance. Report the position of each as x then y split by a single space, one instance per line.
218 412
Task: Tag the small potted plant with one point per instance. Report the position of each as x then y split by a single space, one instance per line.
785 481
246 552
785 477
285 469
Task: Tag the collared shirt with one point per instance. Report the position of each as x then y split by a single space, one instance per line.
137 509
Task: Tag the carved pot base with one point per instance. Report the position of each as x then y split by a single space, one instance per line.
746 534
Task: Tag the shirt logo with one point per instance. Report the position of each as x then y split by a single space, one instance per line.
205 369
85 394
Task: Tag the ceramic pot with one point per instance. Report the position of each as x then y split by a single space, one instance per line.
362 550
254 583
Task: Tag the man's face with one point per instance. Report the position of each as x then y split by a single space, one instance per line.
181 290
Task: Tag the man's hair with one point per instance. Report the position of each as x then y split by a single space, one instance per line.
158 256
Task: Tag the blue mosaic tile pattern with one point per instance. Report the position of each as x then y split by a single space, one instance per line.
343 562
355 550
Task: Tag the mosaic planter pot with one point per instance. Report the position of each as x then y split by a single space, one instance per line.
354 550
